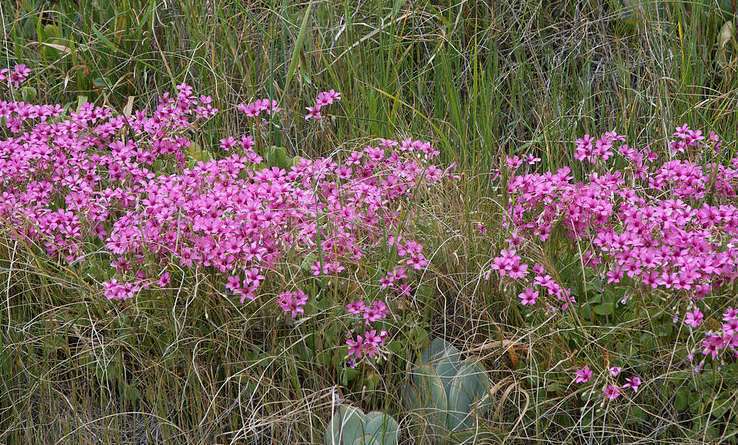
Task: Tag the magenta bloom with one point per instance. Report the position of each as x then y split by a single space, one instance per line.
615 371
292 303
313 113
357 307
259 106
528 296
367 345
324 99
712 344
356 348
633 383
16 76
509 263
694 319
164 279
583 375
611 392
227 143
377 311
373 340
730 314
327 97
120 291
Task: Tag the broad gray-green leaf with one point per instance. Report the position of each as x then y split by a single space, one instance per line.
437 349
366 440
430 395
382 428
447 367
346 425
469 386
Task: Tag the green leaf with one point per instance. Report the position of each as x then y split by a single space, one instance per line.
365 440
396 347
586 311
348 375
298 48
195 153
100 82
681 401
346 425
28 94
664 329
468 387
437 349
427 395
448 367
308 261
604 309
52 31
278 157
418 337
381 428
720 407
81 100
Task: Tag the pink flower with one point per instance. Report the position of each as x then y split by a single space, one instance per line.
583 375
730 314
247 142
164 279
377 311
313 113
712 344
227 143
259 106
293 302
615 371
367 345
357 307
611 392
528 296
694 318
355 348
327 97
324 99
513 162
233 283
633 383
508 263
16 76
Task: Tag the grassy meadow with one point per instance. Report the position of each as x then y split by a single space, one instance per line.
480 79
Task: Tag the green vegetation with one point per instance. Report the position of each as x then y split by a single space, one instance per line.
482 80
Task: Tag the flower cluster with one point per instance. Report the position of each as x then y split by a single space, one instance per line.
669 228
15 76
69 180
293 302
612 390
258 107
370 313
324 98
64 179
510 264
591 150
726 339
367 344
643 229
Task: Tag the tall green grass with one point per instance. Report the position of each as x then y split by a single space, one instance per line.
480 78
